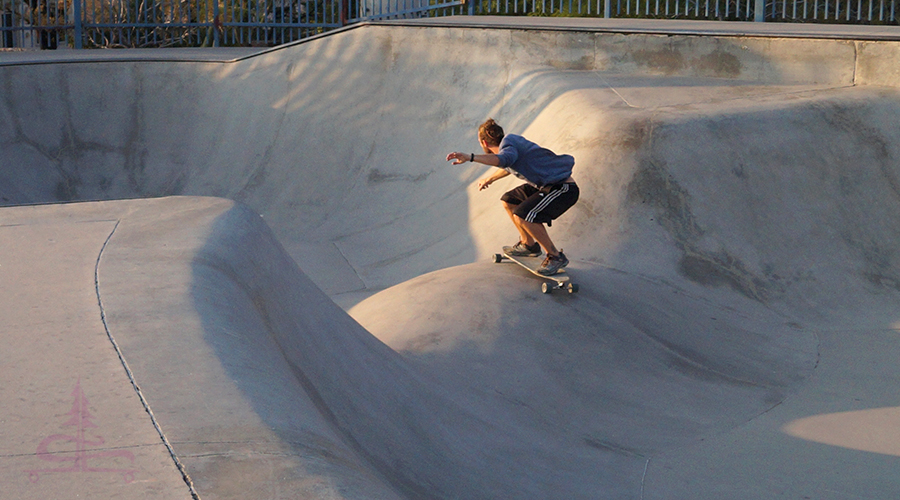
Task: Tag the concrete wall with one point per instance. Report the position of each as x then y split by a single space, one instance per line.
313 135
738 205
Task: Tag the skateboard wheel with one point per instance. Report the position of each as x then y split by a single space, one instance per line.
497 258
572 288
546 288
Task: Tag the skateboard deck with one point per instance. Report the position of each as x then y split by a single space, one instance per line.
558 281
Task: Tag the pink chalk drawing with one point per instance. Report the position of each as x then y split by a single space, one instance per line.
81 420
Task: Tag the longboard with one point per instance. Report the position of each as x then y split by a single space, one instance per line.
558 281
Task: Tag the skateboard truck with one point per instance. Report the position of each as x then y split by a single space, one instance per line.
558 281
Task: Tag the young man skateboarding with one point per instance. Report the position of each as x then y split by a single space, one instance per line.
549 189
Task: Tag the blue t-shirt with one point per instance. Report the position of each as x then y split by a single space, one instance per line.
532 163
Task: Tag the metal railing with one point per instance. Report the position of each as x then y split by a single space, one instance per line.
823 11
50 24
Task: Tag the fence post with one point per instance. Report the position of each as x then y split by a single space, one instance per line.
78 41
216 24
759 11
607 8
7 18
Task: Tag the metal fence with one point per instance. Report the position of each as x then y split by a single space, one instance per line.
50 24
822 11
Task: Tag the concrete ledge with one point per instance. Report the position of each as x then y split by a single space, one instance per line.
878 63
664 27
775 53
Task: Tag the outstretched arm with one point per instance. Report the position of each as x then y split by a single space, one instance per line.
486 159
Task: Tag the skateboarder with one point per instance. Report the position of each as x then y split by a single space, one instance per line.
549 188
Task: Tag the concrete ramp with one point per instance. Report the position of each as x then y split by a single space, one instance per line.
163 381
304 308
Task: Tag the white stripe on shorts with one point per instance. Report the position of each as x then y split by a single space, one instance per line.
548 199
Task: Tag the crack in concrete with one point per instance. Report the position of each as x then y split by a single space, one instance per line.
137 389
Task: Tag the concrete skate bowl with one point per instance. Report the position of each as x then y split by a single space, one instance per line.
735 243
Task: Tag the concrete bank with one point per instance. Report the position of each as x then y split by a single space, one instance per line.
777 53
735 243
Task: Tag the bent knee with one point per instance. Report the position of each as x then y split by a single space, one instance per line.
525 221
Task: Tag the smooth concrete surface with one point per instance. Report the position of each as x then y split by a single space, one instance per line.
666 27
734 336
70 421
770 52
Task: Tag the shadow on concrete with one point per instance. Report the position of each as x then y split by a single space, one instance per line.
726 245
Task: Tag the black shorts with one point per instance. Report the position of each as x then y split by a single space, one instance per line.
542 205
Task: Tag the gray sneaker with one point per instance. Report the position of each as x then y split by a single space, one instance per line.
522 250
553 263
